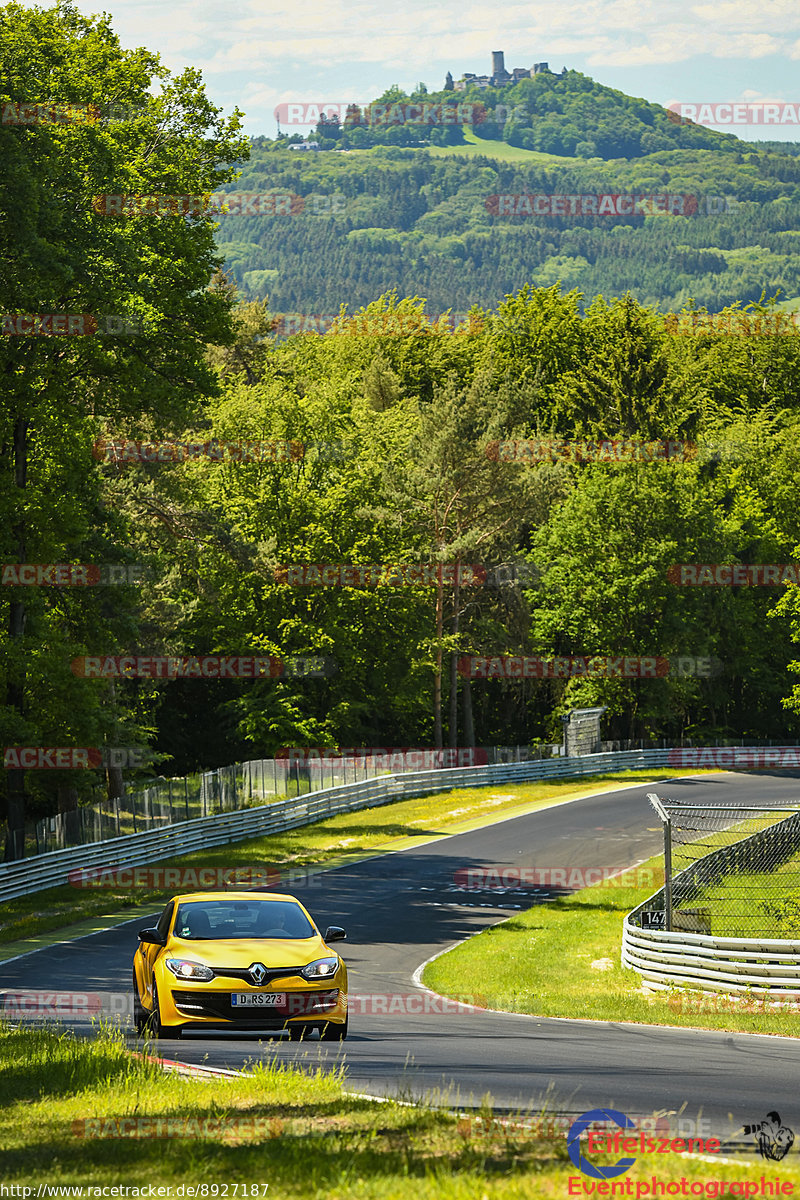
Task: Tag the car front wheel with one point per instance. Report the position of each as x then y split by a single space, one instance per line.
334 1033
158 1028
139 1013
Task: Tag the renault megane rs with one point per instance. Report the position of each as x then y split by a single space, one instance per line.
239 960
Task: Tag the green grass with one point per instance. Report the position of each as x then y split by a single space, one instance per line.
298 1132
344 838
475 146
541 962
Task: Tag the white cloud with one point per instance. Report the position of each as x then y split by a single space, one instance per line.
256 53
777 16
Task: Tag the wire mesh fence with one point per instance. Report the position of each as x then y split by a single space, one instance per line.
165 801
730 870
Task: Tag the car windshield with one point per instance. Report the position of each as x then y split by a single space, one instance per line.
208 920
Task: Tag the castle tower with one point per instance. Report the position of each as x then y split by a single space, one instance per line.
498 63
448 83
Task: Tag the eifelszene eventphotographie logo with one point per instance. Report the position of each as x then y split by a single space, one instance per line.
597 1123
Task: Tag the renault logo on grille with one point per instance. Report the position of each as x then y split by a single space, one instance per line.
258 973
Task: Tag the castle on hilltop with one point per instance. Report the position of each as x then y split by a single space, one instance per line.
499 77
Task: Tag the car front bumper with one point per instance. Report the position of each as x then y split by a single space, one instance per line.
209 1005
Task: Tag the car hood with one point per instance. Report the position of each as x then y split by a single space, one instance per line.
243 952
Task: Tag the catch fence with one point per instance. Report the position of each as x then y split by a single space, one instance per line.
730 870
60 866
234 788
162 802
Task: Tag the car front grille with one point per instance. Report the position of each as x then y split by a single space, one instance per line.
243 973
217 1005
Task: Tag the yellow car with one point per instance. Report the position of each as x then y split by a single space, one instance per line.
239 960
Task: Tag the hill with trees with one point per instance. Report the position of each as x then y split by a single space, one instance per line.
469 230
567 114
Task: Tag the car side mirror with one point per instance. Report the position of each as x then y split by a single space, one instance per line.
334 933
153 937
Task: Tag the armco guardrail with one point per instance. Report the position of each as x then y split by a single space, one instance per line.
52 869
669 959
716 964
243 784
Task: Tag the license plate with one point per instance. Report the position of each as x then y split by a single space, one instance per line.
258 999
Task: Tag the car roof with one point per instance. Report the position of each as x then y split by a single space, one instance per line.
234 894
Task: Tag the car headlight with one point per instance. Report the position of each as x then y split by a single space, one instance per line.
321 968
184 968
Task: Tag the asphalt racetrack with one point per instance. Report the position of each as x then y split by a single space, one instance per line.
402 908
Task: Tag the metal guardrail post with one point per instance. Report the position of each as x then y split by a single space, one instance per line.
667 823
668 874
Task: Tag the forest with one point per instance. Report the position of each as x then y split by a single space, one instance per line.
447 228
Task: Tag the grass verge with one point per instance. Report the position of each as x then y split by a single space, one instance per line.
65 1102
562 959
348 837
474 146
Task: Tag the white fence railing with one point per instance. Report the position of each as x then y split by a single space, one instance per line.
670 959
53 869
717 964
241 785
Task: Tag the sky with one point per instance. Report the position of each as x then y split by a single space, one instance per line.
255 54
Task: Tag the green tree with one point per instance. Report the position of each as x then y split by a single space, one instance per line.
461 502
62 256
625 385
